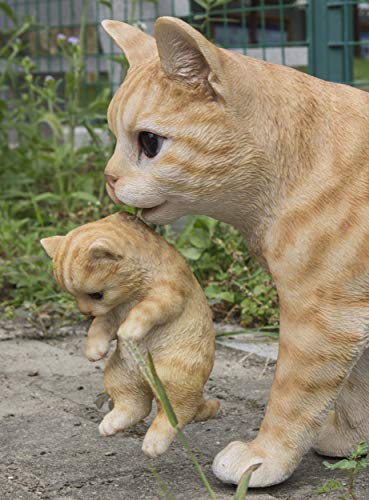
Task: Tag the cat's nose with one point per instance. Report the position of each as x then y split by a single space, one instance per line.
110 180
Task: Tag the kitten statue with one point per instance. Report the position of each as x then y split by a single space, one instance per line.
284 158
138 287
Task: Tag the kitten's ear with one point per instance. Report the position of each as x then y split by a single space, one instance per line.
137 46
102 249
185 53
51 244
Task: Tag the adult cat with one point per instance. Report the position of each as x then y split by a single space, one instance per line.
283 157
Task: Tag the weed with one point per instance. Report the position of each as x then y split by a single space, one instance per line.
49 186
352 466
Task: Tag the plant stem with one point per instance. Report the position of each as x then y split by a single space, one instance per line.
351 485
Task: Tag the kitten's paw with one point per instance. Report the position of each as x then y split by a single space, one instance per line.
97 349
154 445
237 457
159 436
114 422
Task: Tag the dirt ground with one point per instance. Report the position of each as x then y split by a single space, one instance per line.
49 442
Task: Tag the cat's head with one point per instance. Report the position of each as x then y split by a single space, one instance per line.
91 267
177 151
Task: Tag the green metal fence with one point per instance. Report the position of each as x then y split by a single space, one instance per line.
328 38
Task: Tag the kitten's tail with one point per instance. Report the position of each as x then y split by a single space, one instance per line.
207 409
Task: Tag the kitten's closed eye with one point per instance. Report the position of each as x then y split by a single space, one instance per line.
150 143
96 295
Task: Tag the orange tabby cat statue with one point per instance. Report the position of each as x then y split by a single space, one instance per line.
283 157
139 287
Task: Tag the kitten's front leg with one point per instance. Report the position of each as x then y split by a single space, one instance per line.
100 334
155 309
313 363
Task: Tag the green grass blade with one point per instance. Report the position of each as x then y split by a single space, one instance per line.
244 482
152 377
162 395
164 488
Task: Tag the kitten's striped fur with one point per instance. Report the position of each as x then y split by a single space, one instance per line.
284 157
139 287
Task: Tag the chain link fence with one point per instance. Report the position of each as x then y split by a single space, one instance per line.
328 38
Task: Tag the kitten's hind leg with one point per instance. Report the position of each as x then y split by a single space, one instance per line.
130 393
207 409
348 424
185 403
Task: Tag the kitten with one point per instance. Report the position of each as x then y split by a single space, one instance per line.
139 287
284 158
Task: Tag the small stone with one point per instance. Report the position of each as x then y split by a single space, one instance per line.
110 453
33 373
80 388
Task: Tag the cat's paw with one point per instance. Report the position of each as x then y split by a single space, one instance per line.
155 444
337 437
115 421
97 349
230 464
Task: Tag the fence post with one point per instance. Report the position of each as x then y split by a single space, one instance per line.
330 26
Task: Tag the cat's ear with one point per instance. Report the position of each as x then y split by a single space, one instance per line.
102 249
137 46
185 53
51 244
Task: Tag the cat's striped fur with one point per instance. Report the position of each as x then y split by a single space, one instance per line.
139 287
284 157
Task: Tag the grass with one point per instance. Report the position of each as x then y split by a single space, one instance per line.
49 186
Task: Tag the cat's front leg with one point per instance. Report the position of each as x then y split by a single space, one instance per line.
313 363
100 334
157 308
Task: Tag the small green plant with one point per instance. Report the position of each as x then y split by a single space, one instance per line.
211 14
237 288
352 466
49 185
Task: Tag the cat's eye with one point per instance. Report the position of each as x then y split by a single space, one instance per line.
150 144
96 295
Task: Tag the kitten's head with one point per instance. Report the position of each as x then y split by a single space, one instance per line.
176 150
91 267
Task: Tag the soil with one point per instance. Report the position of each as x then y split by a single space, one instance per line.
50 447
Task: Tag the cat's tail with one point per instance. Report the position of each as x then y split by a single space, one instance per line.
207 409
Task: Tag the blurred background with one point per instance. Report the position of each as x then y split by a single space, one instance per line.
58 73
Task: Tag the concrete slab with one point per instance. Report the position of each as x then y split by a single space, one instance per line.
49 442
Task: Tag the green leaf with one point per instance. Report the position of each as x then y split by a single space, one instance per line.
199 238
244 482
221 2
259 290
329 486
191 253
361 449
164 400
107 3
213 291
46 197
8 11
53 122
202 4
82 195
341 465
